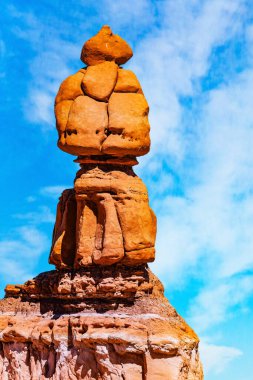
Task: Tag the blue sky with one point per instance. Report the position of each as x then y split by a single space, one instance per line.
195 63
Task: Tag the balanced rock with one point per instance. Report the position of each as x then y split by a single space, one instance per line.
101 314
101 110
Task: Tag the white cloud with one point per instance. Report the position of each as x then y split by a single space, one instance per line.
48 67
175 53
171 60
206 232
43 215
217 303
20 254
216 358
41 103
53 191
205 222
124 15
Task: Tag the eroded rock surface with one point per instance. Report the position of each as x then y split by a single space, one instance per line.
101 110
93 282
105 219
94 347
138 335
97 122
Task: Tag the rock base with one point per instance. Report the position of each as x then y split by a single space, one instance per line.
135 334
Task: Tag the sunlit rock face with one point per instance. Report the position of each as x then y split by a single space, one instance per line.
95 323
114 222
101 314
101 110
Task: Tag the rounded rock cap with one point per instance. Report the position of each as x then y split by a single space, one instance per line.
105 46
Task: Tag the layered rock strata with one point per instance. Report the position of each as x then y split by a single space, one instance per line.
102 313
111 323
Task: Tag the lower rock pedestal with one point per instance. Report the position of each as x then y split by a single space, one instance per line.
112 323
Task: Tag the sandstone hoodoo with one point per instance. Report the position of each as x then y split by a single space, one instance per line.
102 313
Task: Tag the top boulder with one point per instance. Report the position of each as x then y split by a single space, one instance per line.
105 46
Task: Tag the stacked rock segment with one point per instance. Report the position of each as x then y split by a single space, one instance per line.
114 222
101 110
102 314
102 116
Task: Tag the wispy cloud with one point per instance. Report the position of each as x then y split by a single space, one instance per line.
219 302
216 358
20 254
205 213
52 54
172 59
53 191
43 215
58 54
206 232
140 16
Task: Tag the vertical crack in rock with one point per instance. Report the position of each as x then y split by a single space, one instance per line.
101 314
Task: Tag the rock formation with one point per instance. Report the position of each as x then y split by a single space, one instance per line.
102 313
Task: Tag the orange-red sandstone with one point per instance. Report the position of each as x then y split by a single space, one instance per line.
106 46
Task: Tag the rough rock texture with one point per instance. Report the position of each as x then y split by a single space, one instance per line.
101 110
95 121
86 125
102 313
106 46
105 219
97 347
137 334
90 283
128 124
